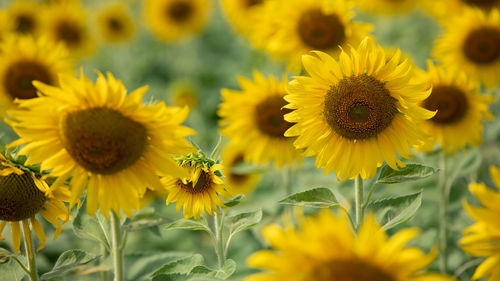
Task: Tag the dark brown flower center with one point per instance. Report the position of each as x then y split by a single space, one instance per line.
482 46
180 11
451 104
269 116
320 31
115 25
102 140
203 184
359 107
483 4
19 197
25 24
237 178
69 33
20 75
350 270
251 3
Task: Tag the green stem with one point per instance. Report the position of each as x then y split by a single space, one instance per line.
443 208
358 200
102 274
30 253
116 249
219 240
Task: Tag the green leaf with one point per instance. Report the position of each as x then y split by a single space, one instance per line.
227 270
468 162
189 277
188 225
180 266
243 221
146 218
140 265
89 228
11 271
234 201
392 212
67 261
317 197
5 255
409 173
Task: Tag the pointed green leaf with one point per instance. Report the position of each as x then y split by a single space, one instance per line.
67 261
234 201
188 225
409 173
227 270
317 197
391 212
89 228
146 218
5 255
243 221
180 266
140 265
11 271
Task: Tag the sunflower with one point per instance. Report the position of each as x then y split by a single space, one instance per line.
101 138
65 21
482 238
387 6
23 60
471 43
253 119
116 23
460 110
183 93
443 9
198 192
233 155
242 13
358 112
288 29
326 249
23 195
172 19
24 17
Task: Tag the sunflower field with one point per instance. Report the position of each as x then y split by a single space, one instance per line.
254 140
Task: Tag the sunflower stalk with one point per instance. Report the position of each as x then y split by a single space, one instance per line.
444 188
219 236
30 254
116 247
358 201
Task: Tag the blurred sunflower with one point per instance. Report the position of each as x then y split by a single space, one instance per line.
387 6
172 19
233 155
447 8
325 248
65 21
23 60
289 29
116 23
23 195
103 139
242 13
199 191
24 17
482 238
184 94
471 43
253 119
460 110
357 113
